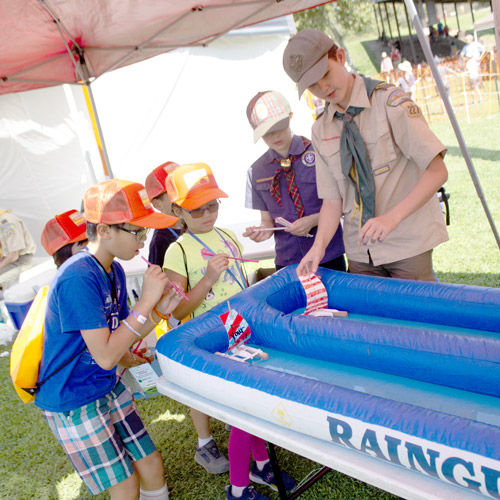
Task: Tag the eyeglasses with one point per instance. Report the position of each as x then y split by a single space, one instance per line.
138 233
212 207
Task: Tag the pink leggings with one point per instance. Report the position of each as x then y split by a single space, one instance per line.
241 446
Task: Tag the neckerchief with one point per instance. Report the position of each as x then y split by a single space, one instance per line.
355 162
286 168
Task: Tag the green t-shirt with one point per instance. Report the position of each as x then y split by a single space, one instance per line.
197 256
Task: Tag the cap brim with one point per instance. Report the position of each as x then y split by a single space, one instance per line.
271 126
155 221
199 199
313 74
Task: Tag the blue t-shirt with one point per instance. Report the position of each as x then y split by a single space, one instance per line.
80 298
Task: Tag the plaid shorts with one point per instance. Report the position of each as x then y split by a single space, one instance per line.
103 438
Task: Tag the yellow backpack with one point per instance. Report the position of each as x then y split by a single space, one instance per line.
27 349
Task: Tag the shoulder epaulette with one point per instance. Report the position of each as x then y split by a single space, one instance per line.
384 86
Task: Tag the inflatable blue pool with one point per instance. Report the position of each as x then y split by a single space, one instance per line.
410 376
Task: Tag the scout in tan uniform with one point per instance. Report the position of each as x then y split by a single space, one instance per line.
16 248
377 164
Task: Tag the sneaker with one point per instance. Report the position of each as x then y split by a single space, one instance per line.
249 493
266 476
211 459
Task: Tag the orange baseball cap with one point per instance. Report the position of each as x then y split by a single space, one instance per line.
193 185
63 229
116 202
155 181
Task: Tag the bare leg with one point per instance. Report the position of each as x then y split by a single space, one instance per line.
126 490
201 423
150 471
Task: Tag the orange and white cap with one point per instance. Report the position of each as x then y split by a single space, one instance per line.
63 229
155 181
191 186
116 202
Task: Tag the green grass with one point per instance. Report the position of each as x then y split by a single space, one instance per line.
32 464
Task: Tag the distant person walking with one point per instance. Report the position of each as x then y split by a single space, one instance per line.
386 66
408 76
472 53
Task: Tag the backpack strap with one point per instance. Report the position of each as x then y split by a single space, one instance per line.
34 390
185 265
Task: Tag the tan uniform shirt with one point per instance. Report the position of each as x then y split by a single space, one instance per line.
400 146
14 236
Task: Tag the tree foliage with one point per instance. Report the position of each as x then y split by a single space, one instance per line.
343 16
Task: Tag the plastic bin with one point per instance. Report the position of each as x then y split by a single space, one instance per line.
18 298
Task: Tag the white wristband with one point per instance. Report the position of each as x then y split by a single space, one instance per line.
131 329
138 316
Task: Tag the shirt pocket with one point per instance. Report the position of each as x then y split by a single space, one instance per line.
330 151
380 146
264 184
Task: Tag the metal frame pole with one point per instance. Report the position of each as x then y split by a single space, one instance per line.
451 113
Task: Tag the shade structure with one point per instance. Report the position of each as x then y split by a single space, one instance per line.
50 42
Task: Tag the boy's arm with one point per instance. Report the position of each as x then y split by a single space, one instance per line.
108 348
377 228
216 265
10 258
329 219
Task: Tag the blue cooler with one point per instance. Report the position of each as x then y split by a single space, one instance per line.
18 298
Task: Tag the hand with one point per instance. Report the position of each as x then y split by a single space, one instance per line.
310 261
215 267
169 301
257 236
376 229
153 285
302 226
129 360
144 353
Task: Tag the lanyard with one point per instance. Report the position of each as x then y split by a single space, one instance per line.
232 253
174 232
114 295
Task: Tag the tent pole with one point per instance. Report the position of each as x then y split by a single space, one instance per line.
96 127
444 96
496 22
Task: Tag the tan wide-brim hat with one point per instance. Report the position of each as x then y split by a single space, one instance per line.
405 66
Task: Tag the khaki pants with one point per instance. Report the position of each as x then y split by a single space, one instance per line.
413 268
9 274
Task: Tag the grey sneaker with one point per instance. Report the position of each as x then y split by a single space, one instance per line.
211 459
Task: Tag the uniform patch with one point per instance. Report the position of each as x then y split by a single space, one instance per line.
412 109
397 97
309 159
381 170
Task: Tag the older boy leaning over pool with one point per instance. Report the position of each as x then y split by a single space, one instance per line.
377 164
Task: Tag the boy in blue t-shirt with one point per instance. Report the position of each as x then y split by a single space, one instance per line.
88 330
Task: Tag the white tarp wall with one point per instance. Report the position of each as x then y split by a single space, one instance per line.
47 149
186 106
